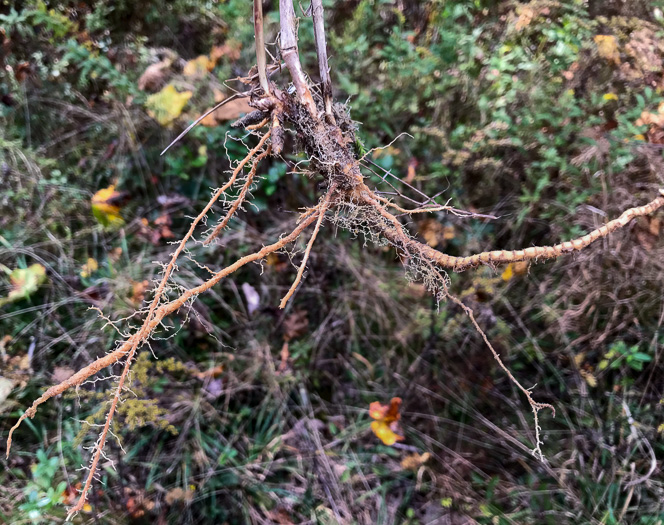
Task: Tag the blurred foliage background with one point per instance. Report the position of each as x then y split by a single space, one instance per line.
548 114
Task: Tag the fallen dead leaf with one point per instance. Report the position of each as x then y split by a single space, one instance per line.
295 324
229 111
105 206
167 105
230 50
210 373
90 267
198 67
178 494
62 373
415 461
386 425
252 297
154 76
138 289
607 47
23 282
431 231
410 174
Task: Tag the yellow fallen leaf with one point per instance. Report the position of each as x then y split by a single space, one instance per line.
579 358
90 267
105 208
589 377
607 47
514 269
167 105
610 96
24 282
385 433
198 67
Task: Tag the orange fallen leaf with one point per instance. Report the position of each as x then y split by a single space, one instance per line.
513 269
230 50
432 231
410 174
285 356
198 67
386 425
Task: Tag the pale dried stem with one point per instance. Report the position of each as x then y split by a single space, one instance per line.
432 208
240 199
321 215
291 55
321 51
261 62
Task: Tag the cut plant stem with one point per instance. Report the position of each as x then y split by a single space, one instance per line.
261 63
321 51
291 55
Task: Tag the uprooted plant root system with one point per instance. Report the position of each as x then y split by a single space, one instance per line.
326 134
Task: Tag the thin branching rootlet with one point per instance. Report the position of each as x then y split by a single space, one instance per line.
326 134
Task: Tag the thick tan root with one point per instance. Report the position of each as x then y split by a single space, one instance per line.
534 253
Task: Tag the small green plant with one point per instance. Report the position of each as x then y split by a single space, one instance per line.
620 354
41 494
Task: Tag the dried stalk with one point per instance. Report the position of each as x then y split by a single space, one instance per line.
259 37
321 51
291 55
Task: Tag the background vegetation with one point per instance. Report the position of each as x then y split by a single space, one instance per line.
547 114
